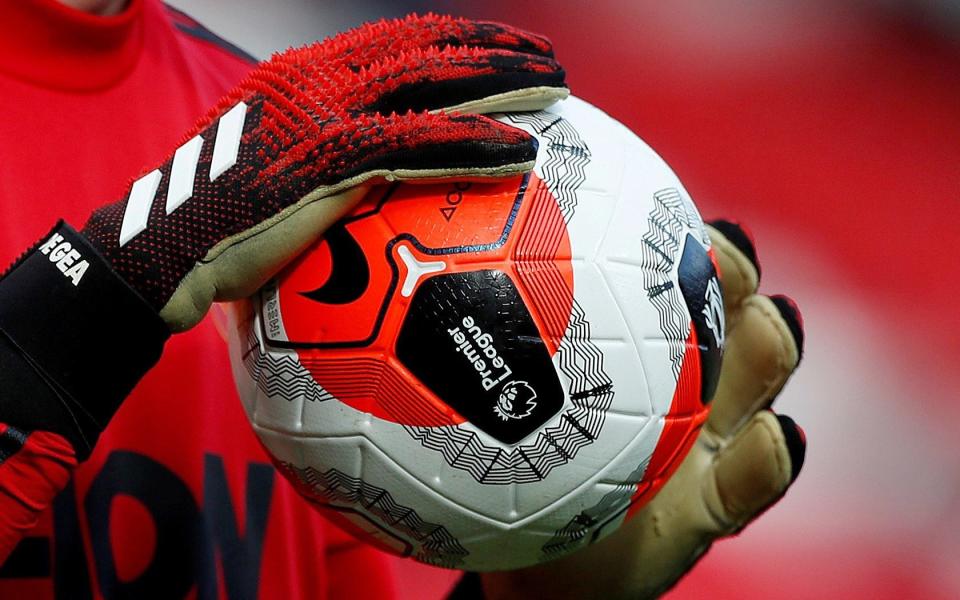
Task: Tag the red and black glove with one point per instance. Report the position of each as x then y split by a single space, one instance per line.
84 315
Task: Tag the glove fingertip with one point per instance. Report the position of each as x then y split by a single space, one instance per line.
436 78
741 237
796 441
791 314
501 143
469 144
493 34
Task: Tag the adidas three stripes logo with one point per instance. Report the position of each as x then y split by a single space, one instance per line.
226 146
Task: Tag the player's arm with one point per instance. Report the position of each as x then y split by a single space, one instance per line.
744 460
85 314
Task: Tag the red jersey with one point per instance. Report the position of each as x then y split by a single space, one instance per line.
178 498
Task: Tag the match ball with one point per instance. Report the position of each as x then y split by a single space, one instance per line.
490 375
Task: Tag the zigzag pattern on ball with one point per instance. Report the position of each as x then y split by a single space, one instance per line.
695 221
567 155
434 543
279 375
612 504
668 223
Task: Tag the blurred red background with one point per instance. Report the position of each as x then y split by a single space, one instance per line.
833 130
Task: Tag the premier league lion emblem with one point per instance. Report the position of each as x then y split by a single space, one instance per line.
517 400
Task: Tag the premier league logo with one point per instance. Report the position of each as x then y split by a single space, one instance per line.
517 400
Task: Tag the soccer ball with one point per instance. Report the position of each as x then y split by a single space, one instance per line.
491 375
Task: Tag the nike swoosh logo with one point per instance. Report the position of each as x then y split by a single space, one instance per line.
349 273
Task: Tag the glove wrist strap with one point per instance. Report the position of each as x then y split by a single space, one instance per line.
85 333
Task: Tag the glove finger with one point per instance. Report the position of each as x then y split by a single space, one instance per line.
490 34
742 239
428 145
363 45
739 268
422 31
458 79
760 355
793 317
755 470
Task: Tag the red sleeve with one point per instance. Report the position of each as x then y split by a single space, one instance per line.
34 468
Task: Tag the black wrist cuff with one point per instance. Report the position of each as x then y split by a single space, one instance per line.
86 335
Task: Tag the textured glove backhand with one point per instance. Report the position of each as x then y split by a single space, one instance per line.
311 123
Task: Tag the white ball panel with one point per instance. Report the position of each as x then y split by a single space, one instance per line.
342 454
631 395
594 297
